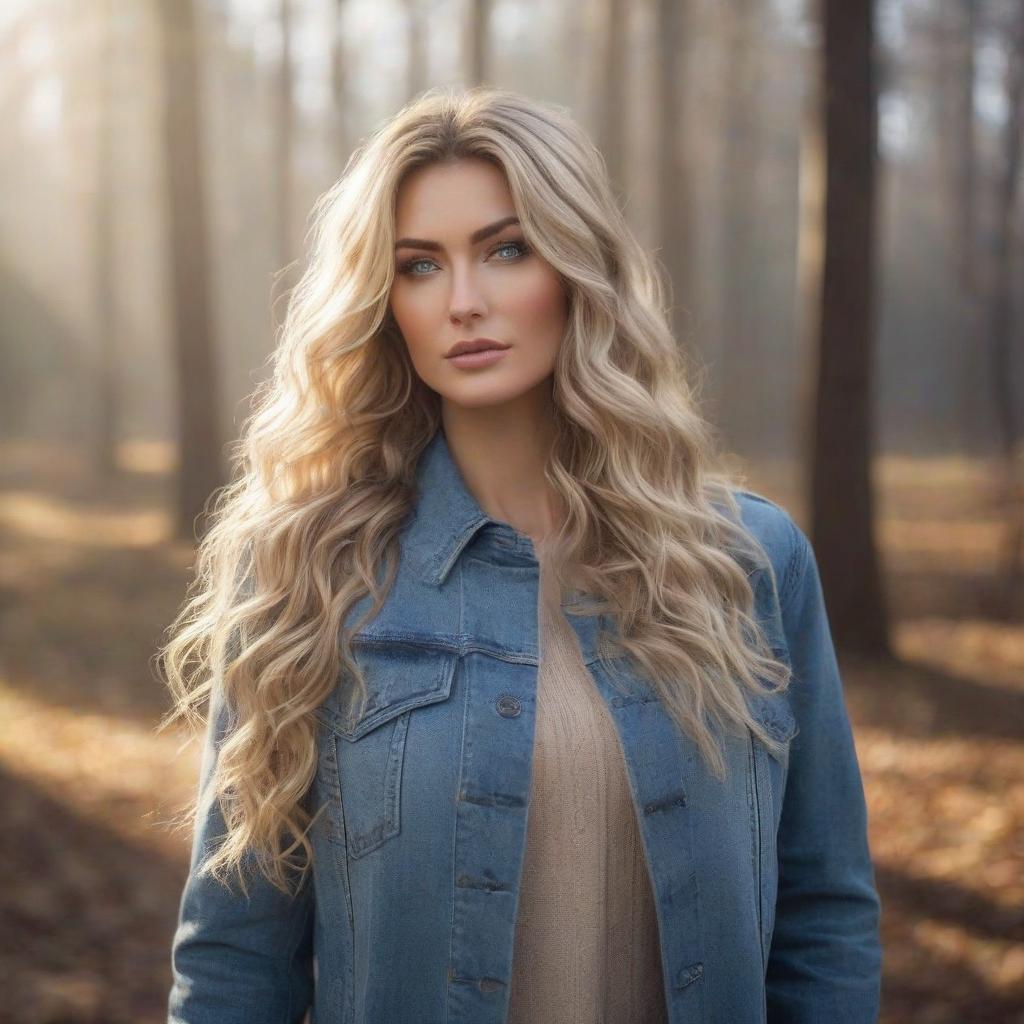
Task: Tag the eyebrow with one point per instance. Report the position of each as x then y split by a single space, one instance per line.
477 236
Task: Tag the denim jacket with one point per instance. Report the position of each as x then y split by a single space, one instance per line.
763 882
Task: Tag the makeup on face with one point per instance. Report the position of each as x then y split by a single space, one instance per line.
467 279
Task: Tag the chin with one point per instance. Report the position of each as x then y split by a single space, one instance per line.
479 394
479 400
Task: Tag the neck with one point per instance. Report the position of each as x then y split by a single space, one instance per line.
501 452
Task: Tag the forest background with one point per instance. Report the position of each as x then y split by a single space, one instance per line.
833 189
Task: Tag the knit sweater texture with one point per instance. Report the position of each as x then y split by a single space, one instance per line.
586 941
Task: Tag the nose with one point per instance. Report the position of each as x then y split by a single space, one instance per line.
466 300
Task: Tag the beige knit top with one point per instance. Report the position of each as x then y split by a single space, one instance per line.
586 940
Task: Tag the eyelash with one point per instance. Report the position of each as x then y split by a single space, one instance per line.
524 250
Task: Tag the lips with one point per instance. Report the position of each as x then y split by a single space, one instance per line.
473 345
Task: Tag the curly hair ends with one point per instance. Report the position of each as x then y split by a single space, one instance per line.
324 474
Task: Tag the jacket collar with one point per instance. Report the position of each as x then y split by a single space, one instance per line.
446 517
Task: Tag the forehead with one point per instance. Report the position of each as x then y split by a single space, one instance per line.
451 199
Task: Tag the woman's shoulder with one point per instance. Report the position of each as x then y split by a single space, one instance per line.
775 531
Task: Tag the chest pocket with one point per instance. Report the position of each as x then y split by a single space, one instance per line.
365 746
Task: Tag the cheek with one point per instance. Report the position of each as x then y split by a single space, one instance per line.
410 312
417 320
541 306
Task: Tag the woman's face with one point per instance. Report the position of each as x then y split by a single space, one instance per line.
463 271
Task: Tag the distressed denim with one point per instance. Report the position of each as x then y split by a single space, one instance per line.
763 881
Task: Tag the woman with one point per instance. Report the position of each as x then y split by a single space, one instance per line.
579 617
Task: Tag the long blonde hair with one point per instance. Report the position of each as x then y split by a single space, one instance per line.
325 472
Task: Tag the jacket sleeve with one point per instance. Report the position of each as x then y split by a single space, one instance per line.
237 960
825 957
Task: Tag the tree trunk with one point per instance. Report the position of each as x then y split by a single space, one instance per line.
1005 335
199 469
285 109
675 180
339 88
1004 371
476 36
610 88
842 499
960 157
415 48
105 273
740 327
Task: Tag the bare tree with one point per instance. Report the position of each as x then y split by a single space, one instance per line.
842 499
1003 334
476 33
959 155
105 275
810 259
610 89
284 116
339 85
416 50
740 159
674 174
1007 185
200 469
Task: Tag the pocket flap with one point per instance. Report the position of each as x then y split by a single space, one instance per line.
399 676
774 713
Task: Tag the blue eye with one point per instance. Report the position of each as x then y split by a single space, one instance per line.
521 246
406 268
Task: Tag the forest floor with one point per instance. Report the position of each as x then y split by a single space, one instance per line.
93 867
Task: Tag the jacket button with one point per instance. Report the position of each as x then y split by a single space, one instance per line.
509 706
